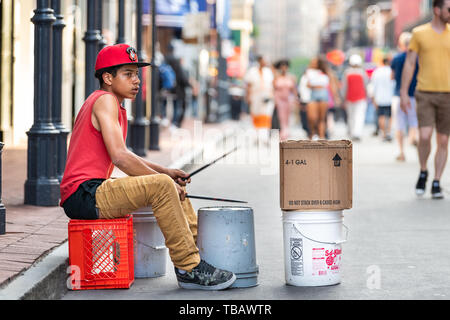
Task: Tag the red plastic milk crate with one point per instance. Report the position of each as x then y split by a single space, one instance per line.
101 253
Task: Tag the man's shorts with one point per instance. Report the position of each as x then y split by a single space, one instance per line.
384 111
433 109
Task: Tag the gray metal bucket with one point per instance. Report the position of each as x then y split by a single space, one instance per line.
150 252
226 239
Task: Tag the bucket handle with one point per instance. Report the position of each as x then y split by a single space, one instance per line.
152 247
334 243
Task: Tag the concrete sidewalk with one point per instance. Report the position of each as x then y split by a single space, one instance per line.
34 234
397 244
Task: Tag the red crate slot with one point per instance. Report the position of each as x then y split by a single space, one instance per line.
101 253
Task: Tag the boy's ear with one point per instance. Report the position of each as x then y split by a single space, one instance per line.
107 78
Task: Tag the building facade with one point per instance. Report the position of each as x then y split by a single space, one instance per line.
17 61
288 29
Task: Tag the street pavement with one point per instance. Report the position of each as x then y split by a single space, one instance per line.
397 244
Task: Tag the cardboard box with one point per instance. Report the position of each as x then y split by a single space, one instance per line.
316 175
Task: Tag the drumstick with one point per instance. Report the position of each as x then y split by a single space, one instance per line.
207 165
214 199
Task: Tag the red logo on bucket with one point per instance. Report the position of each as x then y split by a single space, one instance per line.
333 258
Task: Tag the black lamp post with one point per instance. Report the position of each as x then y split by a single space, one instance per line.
42 185
154 123
121 33
2 207
58 27
92 38
140 123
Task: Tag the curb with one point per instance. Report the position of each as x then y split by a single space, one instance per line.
46 279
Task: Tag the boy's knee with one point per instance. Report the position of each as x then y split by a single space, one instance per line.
165 181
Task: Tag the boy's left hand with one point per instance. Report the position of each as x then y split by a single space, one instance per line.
179 176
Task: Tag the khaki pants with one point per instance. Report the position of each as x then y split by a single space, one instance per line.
116 198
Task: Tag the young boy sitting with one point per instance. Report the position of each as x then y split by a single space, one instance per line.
98 144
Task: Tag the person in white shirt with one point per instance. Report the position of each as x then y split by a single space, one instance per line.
305 97
318 82
259 80
383 92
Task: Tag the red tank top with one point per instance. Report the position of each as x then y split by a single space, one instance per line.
355 87
87 157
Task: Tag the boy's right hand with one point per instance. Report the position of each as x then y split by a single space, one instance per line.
181 191
179 176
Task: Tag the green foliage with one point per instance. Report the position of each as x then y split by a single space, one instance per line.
256 32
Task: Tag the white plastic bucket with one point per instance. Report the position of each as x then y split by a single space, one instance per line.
150 252
313 247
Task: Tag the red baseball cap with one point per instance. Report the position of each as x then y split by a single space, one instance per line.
118 55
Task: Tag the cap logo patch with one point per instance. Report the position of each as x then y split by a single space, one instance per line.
132 53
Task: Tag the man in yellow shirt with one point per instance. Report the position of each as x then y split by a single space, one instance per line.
430 43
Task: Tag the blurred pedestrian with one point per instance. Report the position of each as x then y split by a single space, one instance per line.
305 97
285 95
405 121
236 93
167 82
371 112
354 92
182 82
318 82
431 44
259 80
334 101
383 92
182 105
193 90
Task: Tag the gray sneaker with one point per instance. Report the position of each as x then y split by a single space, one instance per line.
205 277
